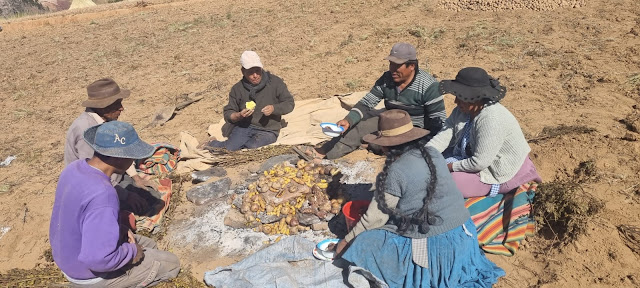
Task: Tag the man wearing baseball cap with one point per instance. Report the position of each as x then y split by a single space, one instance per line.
404 87
87 243
256 105
104 104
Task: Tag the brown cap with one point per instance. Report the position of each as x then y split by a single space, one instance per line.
402 52
103 93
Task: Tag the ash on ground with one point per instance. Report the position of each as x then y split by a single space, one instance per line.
206 229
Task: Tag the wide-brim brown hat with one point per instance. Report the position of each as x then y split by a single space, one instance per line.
395 128
473 84
103 93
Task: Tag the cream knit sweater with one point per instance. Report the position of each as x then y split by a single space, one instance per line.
498 147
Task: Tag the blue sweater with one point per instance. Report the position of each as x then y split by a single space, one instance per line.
84 232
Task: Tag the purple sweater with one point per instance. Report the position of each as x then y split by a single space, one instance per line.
84 232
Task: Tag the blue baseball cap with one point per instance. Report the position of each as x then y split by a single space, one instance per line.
117 139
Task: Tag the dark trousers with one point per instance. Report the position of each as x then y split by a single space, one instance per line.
246 138
350 141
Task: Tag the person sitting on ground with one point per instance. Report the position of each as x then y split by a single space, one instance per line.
405 86
416 231
486 150
103 105
255 109
87 243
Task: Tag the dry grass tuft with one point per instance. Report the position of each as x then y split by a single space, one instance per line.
631 236
51 276
46 276
184 280
228 158
560 130
563 208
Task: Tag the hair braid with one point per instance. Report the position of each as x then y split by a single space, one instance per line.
421 218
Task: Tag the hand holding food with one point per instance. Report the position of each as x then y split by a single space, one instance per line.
250 105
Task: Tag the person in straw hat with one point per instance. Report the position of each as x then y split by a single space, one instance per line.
104 104
87 243
484 146
416 231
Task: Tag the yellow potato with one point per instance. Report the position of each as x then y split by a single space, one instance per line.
251 105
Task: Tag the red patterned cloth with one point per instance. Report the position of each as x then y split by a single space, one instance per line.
163 161
154 218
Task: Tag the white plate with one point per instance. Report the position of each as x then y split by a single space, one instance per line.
331 129
320 250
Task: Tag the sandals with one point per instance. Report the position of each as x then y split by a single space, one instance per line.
308 153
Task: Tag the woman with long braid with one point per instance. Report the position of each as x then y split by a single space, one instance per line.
416 231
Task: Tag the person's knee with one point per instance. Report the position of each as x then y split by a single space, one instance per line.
173 266
234 145
254 145
339 149
169 265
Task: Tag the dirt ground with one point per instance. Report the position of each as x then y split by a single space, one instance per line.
574 66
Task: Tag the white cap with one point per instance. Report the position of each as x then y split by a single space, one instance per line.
250 59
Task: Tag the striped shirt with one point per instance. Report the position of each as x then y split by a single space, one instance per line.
421 99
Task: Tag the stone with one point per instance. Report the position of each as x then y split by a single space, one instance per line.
308 219
204 175
291 158
266 219
630 136
235 219
320 226
4 188
209 192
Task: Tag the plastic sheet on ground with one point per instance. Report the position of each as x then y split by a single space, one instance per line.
290 263
8 160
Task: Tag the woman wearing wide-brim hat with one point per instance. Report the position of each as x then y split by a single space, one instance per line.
485 148
416 231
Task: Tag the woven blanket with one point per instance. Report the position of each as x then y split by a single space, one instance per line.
498 234
153 218
164 160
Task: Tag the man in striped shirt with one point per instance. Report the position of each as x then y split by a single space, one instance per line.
405 87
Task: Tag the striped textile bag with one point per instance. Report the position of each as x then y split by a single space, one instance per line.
498 234
164 160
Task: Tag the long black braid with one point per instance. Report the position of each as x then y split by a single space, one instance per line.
420 218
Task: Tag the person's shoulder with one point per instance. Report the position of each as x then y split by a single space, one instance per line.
238 85
82 122
496 114
425 80
273 78
495 110
385 77
81 174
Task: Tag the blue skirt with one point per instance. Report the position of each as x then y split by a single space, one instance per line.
455 259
